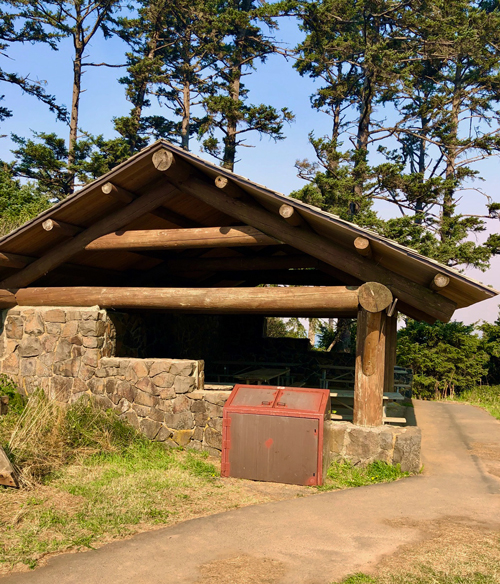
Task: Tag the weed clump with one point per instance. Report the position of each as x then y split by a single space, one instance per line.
46 435
344 475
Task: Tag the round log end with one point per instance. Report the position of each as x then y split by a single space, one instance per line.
374 297
362 246
107 188
440 281
163 160
221 182
286 211
48 225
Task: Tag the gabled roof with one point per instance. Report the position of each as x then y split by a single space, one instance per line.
138 175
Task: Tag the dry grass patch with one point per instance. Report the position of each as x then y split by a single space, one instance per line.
453 552
242 569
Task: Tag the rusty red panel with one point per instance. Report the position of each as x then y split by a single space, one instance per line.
275 434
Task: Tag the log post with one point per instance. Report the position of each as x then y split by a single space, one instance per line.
391 340
370 368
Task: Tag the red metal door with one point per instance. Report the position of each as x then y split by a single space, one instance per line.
273 448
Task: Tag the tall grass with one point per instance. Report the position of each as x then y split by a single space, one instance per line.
48 435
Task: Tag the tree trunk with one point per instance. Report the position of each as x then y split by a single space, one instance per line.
136 113
419 205
232 122
362 144
75 105
451 158
186 113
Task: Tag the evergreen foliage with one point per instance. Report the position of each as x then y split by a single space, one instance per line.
446 358
18 202
436 67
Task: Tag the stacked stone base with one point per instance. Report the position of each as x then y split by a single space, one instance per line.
361 446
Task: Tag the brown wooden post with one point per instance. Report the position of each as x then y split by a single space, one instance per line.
391 339
370 368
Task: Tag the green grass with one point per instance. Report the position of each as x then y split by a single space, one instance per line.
344 475
432 577
103 497
485 396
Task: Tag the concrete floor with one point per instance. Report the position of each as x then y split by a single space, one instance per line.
318 539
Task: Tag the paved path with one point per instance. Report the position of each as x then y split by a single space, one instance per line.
318 539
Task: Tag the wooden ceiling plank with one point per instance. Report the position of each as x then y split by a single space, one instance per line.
251 263
64 251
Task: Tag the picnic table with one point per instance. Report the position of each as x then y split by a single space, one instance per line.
260 376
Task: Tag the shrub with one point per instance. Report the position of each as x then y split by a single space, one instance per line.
446 358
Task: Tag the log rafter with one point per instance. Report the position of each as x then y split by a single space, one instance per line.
405 290
64 251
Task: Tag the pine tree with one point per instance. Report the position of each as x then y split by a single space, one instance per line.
356 50
172 51
239 27
80 21
14 28
436 64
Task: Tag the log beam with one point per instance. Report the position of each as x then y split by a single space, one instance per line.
363 247
61 228
199 237
309 242
14 260
64 251
370 368
7 299
296 301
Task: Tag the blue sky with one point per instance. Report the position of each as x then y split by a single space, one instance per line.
268 163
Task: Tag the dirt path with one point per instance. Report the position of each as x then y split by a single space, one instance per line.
319 539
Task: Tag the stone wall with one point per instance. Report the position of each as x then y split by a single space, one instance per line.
361 446
69 354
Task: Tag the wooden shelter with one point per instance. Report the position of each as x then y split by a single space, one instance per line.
169 231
